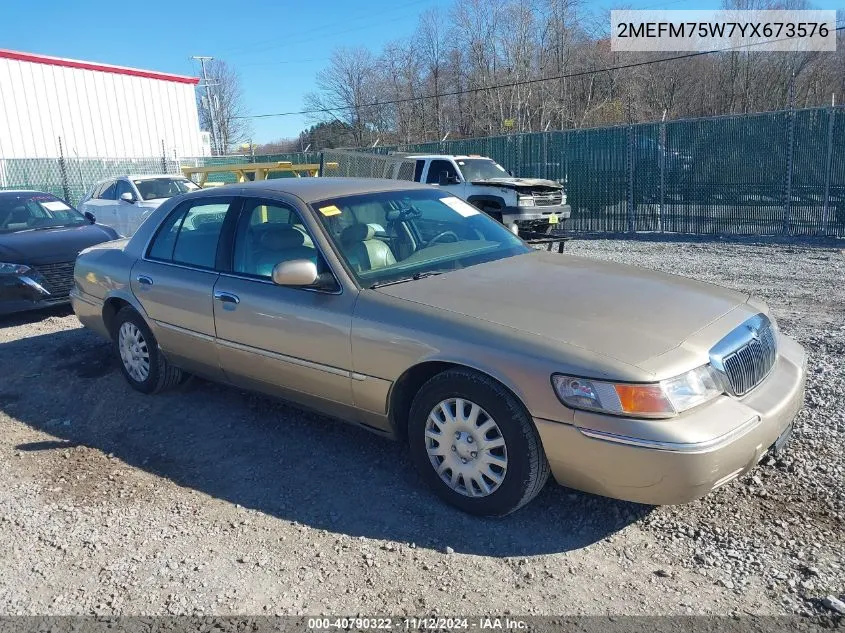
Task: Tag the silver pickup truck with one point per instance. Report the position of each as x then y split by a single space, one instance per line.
522 204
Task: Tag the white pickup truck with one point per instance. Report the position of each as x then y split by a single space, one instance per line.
527 204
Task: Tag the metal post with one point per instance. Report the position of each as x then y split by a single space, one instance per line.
63 172
661 156
209 103
322 158
787 209
163 158
632 225
830 127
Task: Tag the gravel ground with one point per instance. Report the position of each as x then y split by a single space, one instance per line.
208 500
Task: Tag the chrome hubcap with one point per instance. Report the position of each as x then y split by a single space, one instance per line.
466 447
133 351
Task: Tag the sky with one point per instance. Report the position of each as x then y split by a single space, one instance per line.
277 48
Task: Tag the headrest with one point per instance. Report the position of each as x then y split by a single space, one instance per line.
357 233
281 238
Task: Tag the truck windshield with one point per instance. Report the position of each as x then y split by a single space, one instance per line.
401 235
481 169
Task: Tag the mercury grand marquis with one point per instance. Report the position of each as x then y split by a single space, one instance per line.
403 309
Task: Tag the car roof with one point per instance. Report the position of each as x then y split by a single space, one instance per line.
314 189
151 176
455 156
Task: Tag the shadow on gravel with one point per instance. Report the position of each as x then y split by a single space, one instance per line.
25 318
262 454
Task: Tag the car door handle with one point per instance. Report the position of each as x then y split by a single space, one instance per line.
144 280
226 297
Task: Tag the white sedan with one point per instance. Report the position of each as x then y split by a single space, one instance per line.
124 203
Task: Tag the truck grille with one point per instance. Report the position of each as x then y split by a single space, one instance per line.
547 198
746 365
57 278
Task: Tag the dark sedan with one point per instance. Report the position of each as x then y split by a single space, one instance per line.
40 237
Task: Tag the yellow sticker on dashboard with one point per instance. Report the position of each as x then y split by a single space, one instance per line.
329 210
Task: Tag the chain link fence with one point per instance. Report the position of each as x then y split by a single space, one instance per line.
775 173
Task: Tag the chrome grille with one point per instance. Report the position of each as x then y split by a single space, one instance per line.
547 198
746 356
57 278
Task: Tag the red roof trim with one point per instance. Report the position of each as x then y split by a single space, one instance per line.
107 68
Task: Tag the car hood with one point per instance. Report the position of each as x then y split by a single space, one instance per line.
623 312
50 246
520 183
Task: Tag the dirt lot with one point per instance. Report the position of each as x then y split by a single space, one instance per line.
208 500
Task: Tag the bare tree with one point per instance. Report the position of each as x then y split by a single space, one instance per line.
223 114
344 91
528 65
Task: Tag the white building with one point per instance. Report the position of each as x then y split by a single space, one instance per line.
97 110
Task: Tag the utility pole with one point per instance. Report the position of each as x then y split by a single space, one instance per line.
208 102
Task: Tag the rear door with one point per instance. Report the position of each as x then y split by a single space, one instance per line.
102 204
175 280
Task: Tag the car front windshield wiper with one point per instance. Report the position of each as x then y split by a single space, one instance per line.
402 280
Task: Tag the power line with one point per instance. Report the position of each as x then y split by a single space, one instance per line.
512 84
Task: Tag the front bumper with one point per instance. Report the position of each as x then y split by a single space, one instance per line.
662 473
532 214
20 293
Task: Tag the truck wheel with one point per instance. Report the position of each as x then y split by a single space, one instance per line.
493 212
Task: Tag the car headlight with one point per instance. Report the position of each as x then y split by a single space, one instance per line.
13 269
525 201
646 400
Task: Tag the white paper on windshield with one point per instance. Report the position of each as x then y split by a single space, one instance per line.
55 205
464 208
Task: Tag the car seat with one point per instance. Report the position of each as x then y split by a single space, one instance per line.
363 250
271 245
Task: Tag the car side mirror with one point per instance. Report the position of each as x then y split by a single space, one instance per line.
445 178
128 196
296 272
510 173
90 217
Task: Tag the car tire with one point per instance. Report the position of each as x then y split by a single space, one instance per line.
508 488
141 361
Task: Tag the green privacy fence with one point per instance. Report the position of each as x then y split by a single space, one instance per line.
775 173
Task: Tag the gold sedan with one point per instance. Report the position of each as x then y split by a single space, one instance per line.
405 310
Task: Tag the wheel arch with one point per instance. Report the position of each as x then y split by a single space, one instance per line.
114 303
487 200
412 379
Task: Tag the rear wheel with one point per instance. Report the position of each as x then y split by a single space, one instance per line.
475 444
142 363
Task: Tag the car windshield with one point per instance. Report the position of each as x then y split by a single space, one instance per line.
32 211
481 169
396 235
155 188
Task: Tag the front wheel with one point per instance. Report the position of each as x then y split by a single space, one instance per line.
475 445
142 363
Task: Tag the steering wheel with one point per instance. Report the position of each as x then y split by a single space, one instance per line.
437 237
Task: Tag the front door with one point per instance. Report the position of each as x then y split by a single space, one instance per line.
292 342
437 169
175 283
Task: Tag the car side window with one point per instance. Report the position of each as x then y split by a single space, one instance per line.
109 192
190 234
269 233
123 187
435 169
418 170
